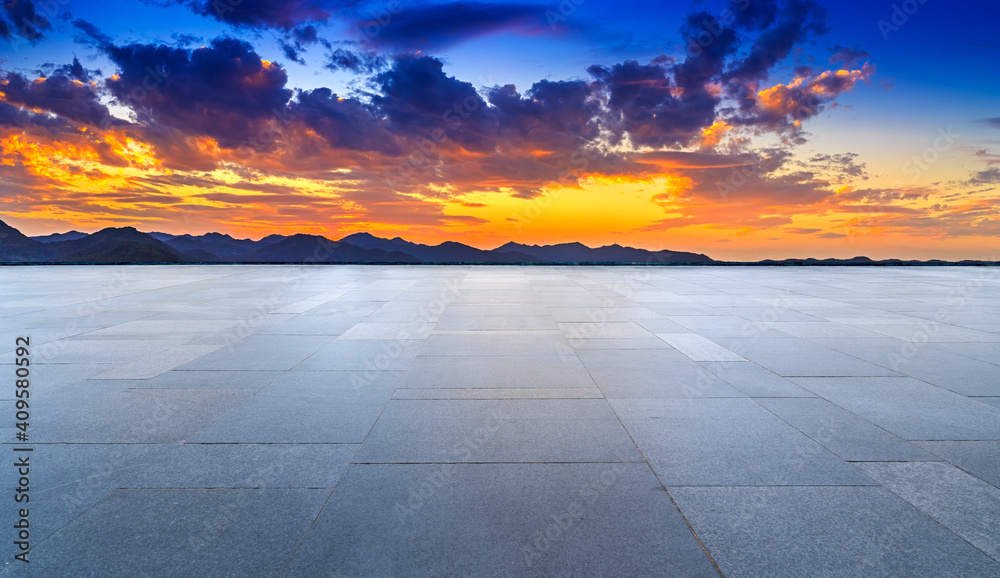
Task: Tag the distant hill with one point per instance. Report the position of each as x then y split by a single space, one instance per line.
115 245
217 245
15 246
580 253
128 245
447 252
315 249
68 236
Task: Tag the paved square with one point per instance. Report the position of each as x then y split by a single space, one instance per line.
509 421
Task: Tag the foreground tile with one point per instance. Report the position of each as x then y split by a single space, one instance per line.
825 531
962 503
196 378
656 373
843 433
261 352
68 479
306 407
140 416
517 519
981 459
363 355
911 409
495 344
171 532
755 381
537 430
791 357
699 348
727 442
495 371
243 465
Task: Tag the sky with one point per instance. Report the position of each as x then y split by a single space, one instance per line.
743 129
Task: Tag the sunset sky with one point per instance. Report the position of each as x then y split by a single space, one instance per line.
743 130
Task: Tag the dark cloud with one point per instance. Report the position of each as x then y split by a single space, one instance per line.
278 14
552 116
345 123
990 176
296 42
435 26
844 166
992 122
15 116
224 91
185 39
22 18
292 51
90 35
754 14
848 56
793 22
358 62
75 70
644 102
417 98
60 94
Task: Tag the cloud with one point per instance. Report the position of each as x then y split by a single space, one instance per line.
783 107
789 24
848 57
436 26
990 176
357 62
22 18
843 166
296 41
345 123
278 14
90 35
992 122
225 91
60 94
646 104
418 98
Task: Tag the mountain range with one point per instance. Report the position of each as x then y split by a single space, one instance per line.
128 245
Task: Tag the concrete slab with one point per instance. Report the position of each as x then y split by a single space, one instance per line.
509 519
826 531
518 430
720 442
527 418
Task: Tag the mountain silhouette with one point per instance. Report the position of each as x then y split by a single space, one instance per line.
580 253
315 249
67 236
128 245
